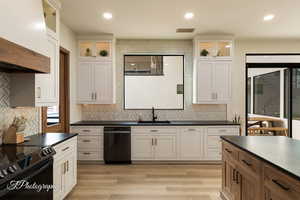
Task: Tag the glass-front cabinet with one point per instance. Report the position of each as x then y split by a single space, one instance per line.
100 50
51 16
213 49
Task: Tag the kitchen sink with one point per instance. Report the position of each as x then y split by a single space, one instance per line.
154 122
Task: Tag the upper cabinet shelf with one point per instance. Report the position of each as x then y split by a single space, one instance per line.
209 49
95 50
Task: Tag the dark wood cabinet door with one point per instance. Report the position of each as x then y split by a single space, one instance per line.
229 184
249 187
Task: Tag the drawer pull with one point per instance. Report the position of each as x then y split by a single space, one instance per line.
233 175
86 153
280 185
237 177
86 140
247 163
191 129
65 148
228 150
153 130
86 130
223 130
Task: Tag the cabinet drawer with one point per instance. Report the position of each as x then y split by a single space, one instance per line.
192 130
87 130
229 150
66 147
280 184
90 155
153 130
223 131
250 163
90 142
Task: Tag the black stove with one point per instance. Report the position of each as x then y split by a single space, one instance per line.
21 163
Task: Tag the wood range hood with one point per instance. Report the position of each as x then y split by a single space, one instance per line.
15 58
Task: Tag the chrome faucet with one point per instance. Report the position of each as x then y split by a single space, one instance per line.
154 117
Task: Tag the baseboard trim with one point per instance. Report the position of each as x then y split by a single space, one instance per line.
158 162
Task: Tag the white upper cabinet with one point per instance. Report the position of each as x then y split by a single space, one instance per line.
104 83
85 82
47 85
212 70
96 83
96 70
212 84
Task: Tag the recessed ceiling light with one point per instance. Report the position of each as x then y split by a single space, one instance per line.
107 15
269 17
189 15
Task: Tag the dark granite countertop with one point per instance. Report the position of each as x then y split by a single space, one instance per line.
136 123
47 139
280 151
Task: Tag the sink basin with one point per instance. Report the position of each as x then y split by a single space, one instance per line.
154 122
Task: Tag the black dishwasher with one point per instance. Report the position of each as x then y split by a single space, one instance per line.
117 145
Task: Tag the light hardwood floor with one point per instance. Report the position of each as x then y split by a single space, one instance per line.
147 182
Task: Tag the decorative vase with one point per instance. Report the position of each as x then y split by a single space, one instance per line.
88 52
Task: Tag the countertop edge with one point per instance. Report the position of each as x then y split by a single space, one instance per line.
71 136
134 123
263 159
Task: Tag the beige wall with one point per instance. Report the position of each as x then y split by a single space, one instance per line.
242 47
68 41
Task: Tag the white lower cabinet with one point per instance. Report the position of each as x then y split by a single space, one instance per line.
190 143
165 143
90 142
65 168
212 141
165 147
142 147
153 144
178 143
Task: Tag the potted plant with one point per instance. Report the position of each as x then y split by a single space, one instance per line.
103 53
204 52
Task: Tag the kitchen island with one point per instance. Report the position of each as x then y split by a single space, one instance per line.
260 168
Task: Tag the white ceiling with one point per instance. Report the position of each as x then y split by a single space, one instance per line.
160 18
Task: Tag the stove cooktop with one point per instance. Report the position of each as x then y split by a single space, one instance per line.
15 159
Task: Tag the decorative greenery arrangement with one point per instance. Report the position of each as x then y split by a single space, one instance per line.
19 123
103 53
204 52
88 52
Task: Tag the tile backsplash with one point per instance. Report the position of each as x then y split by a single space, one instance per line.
191 112
7 114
